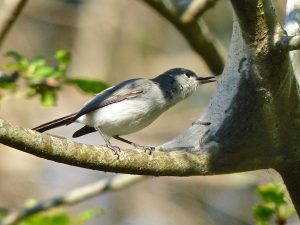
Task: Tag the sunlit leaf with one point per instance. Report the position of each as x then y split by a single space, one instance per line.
48 97
63 56
44 80
264 212
262 223
45 72
88 85
38 62
8 81
7 85
60 218
47 218
88 214
21 62
13 66
271 193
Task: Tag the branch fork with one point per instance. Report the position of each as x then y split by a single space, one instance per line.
289 43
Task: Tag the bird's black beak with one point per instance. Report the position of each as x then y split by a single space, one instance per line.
204 80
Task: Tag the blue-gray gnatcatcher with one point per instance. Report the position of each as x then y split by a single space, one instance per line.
131 105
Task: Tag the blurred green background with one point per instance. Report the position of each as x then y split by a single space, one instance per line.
114 40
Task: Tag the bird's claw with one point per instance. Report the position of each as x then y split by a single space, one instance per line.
115 149
149 149
146 148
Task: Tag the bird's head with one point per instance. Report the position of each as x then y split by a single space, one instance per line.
182 82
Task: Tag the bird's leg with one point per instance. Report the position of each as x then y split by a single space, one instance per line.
145 148
115 149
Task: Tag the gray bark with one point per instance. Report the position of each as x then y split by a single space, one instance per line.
251 110
290 172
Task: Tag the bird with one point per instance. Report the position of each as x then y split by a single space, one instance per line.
131 105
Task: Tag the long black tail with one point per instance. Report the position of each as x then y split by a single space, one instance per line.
54 123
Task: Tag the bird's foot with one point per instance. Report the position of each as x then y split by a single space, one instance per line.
146 148
115 149
149 149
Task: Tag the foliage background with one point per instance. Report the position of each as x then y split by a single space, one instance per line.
113 41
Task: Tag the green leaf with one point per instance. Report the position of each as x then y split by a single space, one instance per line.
48 97
262 223
88 85
31 92
3 212
13 66
63 56
8 81
88 214
264 212
60 218
18 57
35 66
44 73
7 85
47 218
21 63
38 62
271 192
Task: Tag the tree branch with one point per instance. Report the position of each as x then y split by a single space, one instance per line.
289 43
290 173
175 163
197 35
196 9
170 159
9 13
75 196
291 178
261 30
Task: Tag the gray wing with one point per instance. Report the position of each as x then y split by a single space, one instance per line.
125 90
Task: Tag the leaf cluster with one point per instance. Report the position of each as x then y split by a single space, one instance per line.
272 206
39 78
57 216
61 217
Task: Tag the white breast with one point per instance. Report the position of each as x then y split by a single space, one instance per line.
123 117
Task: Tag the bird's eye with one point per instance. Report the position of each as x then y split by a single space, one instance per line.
188 75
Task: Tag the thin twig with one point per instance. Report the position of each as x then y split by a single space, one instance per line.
196 9
75 196
290 43
197 35
9 12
